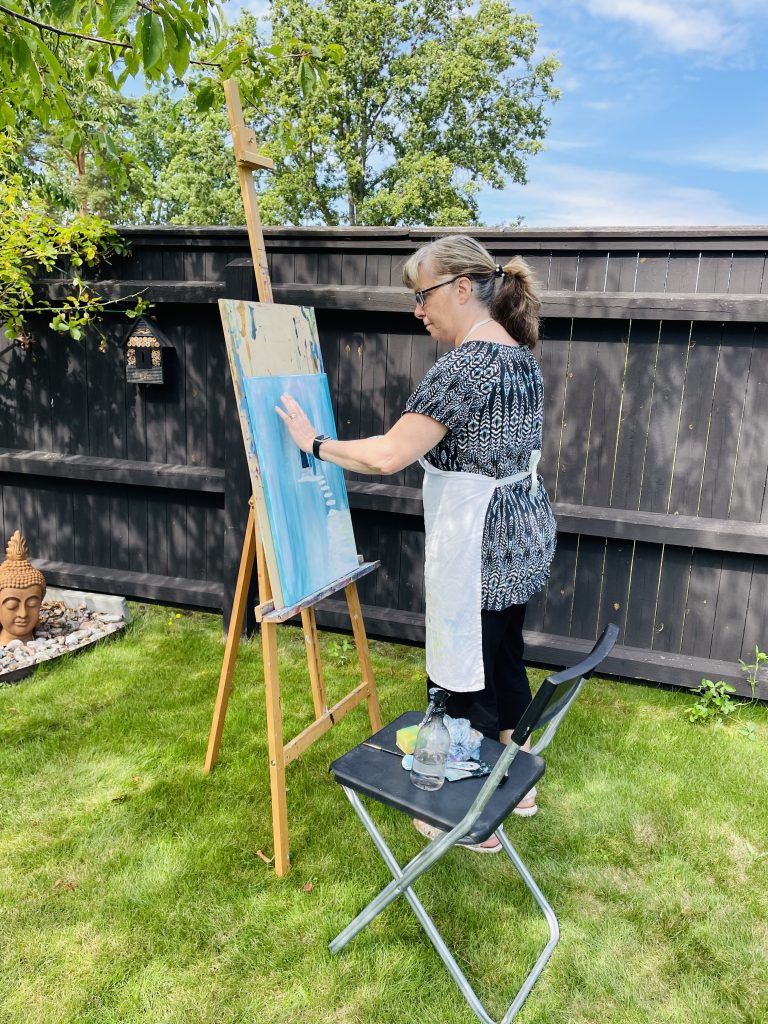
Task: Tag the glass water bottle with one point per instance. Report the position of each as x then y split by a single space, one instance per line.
433 741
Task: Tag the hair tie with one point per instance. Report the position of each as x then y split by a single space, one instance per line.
498 271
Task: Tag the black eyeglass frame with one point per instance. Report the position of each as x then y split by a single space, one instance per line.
420 296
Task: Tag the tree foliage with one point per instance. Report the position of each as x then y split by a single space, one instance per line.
52 51
432 100
65 65
31 241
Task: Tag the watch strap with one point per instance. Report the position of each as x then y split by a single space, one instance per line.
316 445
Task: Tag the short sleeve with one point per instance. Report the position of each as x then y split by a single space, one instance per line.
447 392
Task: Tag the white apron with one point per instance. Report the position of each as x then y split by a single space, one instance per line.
455 506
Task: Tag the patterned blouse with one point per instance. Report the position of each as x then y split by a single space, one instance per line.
491 397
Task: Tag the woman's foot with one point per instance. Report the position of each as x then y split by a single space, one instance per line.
527 806
490 845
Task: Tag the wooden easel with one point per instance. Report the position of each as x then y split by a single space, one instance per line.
280 753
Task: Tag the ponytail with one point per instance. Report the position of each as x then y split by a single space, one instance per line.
516 303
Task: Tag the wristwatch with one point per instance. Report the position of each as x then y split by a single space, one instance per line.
316 445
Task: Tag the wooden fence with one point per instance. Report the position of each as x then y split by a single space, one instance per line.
655 359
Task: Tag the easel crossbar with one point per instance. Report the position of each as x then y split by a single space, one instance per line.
295 747
266 612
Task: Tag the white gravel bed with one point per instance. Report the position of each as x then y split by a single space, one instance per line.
62 628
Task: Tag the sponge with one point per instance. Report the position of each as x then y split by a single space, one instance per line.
406 738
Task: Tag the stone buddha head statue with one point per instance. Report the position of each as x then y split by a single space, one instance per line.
22 588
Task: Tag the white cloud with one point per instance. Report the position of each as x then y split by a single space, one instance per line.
730 154
683 26
567 195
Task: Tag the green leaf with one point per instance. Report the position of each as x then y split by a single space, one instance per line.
62 9
205 97
151 40
306 78
120 10
22 57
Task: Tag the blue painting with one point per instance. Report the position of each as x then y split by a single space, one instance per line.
306 498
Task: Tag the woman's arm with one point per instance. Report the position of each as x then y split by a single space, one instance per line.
411 437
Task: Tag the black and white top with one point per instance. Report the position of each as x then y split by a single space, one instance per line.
491 398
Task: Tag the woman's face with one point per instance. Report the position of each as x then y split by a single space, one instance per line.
439 309
19 612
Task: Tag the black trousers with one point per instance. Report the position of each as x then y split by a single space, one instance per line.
507 692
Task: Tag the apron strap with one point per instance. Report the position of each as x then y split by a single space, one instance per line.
531 472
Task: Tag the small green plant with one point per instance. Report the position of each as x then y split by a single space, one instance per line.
752 669
714 704
340 650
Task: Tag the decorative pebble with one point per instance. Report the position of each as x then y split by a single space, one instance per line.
61 629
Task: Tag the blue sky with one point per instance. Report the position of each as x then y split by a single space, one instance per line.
663 118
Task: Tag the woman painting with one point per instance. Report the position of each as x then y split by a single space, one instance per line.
475 425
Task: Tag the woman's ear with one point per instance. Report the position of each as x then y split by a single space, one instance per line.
464 289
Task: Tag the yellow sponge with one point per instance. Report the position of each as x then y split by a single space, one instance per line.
406 738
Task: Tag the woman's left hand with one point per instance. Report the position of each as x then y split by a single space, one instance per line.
299 426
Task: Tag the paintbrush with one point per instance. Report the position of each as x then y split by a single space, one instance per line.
386 750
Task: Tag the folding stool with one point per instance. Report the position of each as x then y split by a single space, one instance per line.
473 809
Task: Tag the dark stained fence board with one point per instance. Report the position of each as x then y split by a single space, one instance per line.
559 600
756 619
701 602
672 599
554 369
695 417
747 274
563 271
637 397
641 600
714 272
587 587
617 574
728 406
682 272
609 360
732 599
652 269
621 272
592 272
751 473
583 361
669 374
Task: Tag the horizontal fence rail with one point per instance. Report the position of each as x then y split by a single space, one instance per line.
655 360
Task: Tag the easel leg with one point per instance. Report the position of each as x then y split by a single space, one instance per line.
363 655
276 749
319 697
233 642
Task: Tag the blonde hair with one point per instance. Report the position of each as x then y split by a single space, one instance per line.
509 291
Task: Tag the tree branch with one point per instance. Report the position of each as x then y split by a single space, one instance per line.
44 26
61 31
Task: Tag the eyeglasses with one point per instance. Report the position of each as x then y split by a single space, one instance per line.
421 295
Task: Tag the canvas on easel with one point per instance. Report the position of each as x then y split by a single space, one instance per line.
306 498
267 343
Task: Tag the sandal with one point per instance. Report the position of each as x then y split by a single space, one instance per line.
527 806
431 832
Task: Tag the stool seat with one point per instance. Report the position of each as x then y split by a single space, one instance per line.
379 775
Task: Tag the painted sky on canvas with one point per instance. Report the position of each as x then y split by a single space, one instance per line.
306 498
663 118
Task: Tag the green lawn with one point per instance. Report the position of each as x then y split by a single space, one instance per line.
131 890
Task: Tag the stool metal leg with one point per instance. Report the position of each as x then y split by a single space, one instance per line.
418 908
549 914
393 890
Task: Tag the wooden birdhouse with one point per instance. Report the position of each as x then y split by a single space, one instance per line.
147 354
